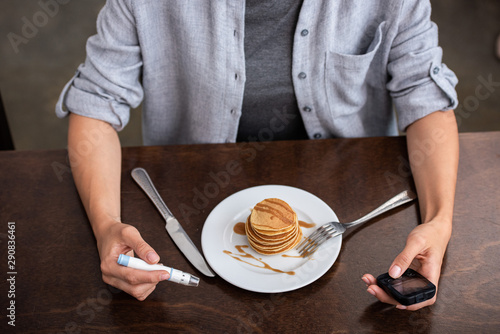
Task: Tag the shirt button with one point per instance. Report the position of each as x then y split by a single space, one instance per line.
302 75
304 32
435 70
307 109
317 135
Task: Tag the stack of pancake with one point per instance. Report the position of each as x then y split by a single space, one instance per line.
273 227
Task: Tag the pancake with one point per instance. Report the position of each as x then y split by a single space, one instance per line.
274 216
272 227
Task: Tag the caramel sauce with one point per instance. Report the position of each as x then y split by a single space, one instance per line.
306 225
272 211
293 256
239 228
245 255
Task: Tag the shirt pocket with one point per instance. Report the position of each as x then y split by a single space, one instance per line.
345 77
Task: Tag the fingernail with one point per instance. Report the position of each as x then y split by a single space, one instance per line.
365 280
395 272
164 277
152 257
370 291
401 307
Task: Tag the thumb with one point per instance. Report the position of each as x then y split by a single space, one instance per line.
133 238
404 259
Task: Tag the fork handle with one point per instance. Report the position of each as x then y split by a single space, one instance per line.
398 200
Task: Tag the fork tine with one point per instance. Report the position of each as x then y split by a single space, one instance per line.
303 244
315 237
314 242
306 246
308 251
308 240
305 240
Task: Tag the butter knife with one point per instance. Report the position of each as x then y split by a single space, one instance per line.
173 227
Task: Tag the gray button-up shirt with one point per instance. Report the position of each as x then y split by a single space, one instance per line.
358 59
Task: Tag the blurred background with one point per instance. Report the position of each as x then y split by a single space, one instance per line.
36 63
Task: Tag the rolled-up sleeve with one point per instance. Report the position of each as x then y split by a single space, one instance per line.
108 84
419 82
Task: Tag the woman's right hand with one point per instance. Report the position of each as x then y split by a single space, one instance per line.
118 238
97 174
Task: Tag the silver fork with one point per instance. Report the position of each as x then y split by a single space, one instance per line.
330 230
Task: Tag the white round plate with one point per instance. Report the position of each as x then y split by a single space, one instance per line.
223 247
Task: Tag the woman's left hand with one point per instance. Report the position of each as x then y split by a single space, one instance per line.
424 252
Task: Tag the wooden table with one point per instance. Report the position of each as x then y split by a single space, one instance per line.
58 286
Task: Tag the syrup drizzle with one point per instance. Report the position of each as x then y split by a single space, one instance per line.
239 228
273 212
306 225
244 255
292 256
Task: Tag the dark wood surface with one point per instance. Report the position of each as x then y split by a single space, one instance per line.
58 286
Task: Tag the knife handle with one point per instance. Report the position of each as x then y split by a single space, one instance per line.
142 178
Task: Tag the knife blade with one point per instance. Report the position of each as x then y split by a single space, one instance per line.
172 225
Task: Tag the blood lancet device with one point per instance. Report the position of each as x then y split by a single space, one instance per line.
176 275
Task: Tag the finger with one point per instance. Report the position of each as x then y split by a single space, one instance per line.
146 293
133 238
137 283
369 279
404 259
373 289
381 295
418 306
136 276
139 291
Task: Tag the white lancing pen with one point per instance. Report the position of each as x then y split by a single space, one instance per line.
176 275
